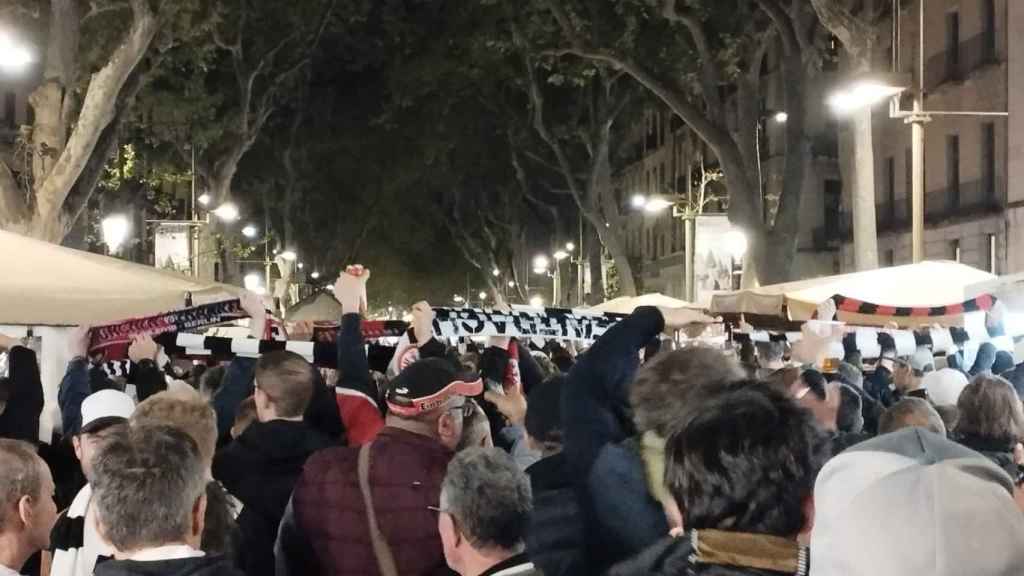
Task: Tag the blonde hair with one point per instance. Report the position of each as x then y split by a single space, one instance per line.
185 410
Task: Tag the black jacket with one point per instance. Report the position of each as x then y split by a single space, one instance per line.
1000 453
878 385
260 468
555 540
202 566
672 557
20 419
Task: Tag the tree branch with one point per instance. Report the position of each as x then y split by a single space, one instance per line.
709 70
97 8
856 35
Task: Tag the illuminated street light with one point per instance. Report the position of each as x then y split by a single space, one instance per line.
289 255
735 243
780 117
656 204
204 199
249 231
511 283
458 299
301 265
13 56
315 275
569 246
115 231
252 282
495 272
867 90
638 201
536 302
540 262
228 212
560 255
482 295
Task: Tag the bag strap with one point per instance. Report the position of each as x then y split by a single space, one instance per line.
381 550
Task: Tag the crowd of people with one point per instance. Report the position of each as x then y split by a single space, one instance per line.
626 458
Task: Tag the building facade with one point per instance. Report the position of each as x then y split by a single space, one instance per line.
970 198
974 202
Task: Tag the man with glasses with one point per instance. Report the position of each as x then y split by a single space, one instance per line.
484 514
364 510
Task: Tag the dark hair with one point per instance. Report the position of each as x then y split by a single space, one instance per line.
910 412
1003 363
544 411
850 419
489 497
20 474
990 408
745 461
287 380
816 381
772 351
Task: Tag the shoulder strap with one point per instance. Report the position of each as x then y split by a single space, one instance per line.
385 560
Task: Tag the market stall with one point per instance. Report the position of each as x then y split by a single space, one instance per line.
626 304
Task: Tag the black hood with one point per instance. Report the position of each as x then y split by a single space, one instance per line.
281 442
202 566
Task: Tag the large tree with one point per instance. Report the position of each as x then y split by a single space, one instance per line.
704 60
78 114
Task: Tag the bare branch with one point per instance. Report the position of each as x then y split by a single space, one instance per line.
97 8
709 70
857 35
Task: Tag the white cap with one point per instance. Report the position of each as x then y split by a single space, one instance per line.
944 386
106 404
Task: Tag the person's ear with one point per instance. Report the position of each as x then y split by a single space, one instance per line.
805 533
26 512
76 443
446 428
198 519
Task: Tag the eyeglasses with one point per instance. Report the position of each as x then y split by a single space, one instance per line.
468 408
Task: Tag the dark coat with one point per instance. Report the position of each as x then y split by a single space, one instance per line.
325 529
879 385
620 515
671 557
202 566
555 540
20 419
260 468
1000 453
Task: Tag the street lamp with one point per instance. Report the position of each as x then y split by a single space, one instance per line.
252 283
866 90
204 199
13 56
780 117
482 295
511 283
495 272
541 262
458 299
227 212
536 302
289 255
315 275
115 231
249 231
735 243
560 255
569 246
301 265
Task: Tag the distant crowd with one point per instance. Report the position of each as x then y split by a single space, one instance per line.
632 457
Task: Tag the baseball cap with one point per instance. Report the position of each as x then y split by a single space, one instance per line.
944 386
428 384
914 502
922 360
105 408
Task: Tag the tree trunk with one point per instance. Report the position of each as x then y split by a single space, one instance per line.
595 257
865 233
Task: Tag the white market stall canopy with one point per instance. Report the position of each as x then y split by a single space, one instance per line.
320 307
1007 289
926 284
626 304
45 284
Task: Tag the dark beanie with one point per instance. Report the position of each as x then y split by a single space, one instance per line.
1003 363
544 410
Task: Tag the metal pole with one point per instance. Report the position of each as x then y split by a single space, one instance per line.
193 232
579 264
689 227
917 123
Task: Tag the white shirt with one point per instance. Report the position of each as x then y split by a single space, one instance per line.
169 552
5 571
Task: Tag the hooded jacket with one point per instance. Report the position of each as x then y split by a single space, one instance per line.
200 566
555 540
20 419
260 468
676 557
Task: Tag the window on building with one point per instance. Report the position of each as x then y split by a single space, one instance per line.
10 110
953 171
988 30
953 45
649 244
675 236
954 250
833 202
988 160
890 257
890 190
908 184
661 178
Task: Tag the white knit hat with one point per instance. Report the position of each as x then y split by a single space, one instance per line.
944 386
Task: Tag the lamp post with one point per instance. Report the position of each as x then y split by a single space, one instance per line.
736 244
115 231
227 212
14 56
868 90
541 265
687 211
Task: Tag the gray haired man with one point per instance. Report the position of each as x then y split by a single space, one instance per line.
484 514
27 511
150 497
